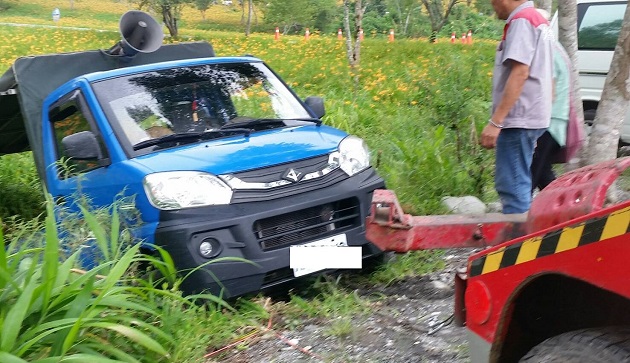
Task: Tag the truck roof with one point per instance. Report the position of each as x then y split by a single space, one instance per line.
30 79
97 76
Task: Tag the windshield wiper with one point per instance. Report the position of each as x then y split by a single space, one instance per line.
262 121
191 136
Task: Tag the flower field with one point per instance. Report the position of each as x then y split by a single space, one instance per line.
418 105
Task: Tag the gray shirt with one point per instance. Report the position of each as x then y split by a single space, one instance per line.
527 39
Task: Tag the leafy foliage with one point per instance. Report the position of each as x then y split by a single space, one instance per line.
71 290
170 11
464 18
293 16
20 189
4 5
50 308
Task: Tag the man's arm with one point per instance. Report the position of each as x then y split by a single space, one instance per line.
518 75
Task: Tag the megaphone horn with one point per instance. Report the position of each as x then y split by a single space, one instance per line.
140 33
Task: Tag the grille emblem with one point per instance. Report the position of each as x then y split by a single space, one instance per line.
292 175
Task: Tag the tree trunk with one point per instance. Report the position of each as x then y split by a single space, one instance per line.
250 12
346 24
142 4
612 107
353 40
406 26
546 5
434 10
169 20
567 36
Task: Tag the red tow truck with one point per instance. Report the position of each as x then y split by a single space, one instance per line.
548 286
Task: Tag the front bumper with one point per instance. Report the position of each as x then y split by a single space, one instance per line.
255 237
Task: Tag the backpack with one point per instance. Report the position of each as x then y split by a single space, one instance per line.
575 128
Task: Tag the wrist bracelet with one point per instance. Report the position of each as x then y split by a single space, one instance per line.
495 124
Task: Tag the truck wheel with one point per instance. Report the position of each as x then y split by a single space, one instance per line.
589 117
603 345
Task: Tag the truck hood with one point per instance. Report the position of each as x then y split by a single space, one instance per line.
240 153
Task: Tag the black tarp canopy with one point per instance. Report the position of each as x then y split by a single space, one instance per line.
26 84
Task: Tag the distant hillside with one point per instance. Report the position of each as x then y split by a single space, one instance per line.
104 14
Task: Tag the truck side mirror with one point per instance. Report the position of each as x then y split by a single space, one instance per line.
81 146
316 104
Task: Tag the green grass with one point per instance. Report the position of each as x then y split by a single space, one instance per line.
419 106
410 264
20 190
49 308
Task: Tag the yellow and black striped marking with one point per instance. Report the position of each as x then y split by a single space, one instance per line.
570 237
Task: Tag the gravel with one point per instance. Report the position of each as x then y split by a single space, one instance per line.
409 321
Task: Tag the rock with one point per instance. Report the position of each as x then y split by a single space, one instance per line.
439 285
464 205
494 207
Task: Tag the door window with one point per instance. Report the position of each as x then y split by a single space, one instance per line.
78 144
599 25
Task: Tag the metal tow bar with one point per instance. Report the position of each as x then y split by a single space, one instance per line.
571 195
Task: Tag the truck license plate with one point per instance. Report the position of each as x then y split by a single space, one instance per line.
331 252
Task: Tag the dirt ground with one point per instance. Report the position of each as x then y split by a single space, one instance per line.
410 321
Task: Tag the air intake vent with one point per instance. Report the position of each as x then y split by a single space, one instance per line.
307 224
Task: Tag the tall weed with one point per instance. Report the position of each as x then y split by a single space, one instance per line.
20 190
54 308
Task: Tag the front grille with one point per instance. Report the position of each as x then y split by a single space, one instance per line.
274 173
307 224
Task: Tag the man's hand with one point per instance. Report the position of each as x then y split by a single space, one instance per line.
489 136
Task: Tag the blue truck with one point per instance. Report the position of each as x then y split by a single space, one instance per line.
221 157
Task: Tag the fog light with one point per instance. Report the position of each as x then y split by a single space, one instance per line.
209 248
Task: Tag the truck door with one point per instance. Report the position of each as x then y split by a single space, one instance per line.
75 154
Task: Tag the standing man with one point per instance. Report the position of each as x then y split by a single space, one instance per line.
521 99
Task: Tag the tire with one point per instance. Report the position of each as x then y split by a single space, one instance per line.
589 117
602 345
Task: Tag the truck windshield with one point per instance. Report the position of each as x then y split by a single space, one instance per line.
195 99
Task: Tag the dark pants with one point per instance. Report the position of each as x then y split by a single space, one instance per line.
542 172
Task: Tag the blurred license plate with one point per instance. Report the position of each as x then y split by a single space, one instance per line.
327 253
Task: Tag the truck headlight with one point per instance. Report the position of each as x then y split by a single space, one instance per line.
185 189
353 155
